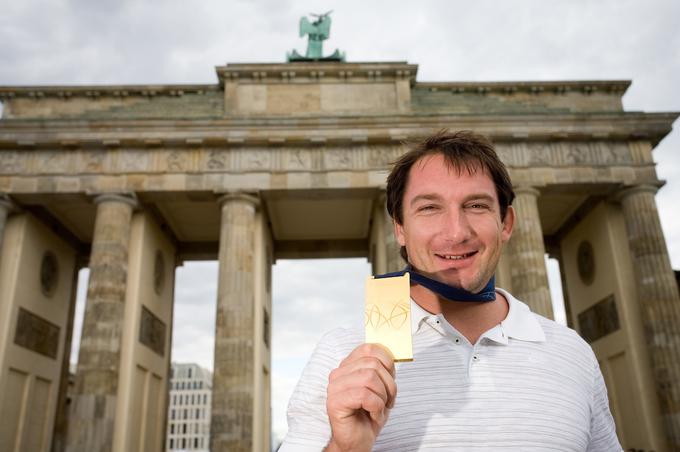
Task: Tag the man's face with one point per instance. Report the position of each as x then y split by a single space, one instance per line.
452 227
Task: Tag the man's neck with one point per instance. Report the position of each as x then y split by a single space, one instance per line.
472 319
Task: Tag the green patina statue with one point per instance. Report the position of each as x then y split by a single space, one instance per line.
318 31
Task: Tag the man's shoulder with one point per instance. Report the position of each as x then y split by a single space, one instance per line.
562 337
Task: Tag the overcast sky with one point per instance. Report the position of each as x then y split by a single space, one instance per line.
133 42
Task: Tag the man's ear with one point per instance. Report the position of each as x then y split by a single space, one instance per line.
399 233
508 224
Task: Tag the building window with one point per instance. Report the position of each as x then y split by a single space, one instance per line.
198 413
189 372
172 443
195 443
172 414
184 443
172 428
205 398
184 428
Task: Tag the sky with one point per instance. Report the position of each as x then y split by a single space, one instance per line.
153 42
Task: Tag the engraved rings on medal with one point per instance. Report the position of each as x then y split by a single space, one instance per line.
49 274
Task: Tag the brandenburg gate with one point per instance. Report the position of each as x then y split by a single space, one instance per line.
289 161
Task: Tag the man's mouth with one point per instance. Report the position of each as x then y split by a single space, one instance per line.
457 257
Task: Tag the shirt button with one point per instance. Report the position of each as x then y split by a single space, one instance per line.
457 340
475 358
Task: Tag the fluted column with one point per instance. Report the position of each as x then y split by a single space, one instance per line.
657 294
92 411
231 426
386 256
526 254
6 206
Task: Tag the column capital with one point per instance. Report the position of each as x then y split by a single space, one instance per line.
125 198
526 190
635 189
250 197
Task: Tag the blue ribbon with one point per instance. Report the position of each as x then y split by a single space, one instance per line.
488 293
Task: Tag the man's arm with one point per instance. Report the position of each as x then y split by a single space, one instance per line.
602 429
361 392
329 382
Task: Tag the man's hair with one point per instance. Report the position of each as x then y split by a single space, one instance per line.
462 151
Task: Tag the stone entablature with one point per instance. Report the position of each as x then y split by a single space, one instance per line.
27 134
214 169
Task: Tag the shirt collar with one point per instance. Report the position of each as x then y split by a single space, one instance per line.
520 323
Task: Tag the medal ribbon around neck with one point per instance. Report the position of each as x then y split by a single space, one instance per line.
488 293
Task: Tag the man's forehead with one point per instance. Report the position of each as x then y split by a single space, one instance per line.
436 161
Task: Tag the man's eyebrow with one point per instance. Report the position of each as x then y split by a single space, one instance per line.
483 196
425 197
435 197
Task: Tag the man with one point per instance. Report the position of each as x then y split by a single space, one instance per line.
488 374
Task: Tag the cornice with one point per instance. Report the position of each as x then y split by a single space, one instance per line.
317 72
617 87
97 91
33 133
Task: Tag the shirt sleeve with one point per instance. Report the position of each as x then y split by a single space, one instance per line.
308 426
602 429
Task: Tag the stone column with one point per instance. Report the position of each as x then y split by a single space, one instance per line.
657 294
526 254
393 259
6 207
385 248
231 425
92 411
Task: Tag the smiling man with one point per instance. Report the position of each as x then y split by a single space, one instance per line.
488 374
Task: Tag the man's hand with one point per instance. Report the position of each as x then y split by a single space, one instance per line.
361 392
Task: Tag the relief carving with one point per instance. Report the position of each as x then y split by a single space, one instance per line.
578 153
216 160
50 162
37 334
176 161
256 159
379 156
133 161
297 159
11 162
337 159
542 154
94 161
614 153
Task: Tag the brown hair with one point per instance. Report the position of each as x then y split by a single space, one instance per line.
462 150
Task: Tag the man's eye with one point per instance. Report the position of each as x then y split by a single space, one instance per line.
426 208
478 206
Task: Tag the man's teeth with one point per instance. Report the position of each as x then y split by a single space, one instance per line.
457 257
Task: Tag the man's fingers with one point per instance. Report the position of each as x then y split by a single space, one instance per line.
361 378
368 372
358 398
377 351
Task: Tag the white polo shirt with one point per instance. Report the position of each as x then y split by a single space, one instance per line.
528 384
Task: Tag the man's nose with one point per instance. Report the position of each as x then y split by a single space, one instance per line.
457 227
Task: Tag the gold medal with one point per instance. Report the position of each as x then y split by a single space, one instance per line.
388 315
